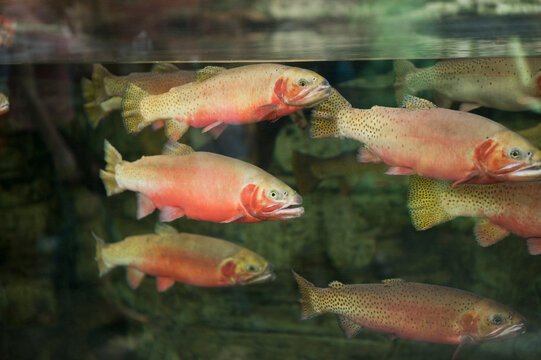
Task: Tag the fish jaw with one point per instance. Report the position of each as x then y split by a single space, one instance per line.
283 211
503 333
523 173
267 275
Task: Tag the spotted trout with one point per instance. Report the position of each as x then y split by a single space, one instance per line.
104 92
438 143
500 208
181 257
200 186
504 83
241 95
412 311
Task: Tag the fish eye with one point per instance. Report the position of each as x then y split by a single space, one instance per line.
273 194
515 153
495 319
303 82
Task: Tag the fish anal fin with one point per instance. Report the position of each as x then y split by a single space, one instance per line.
399 170
468 106
164 229
134 277
170 213
164 283
208 72
366 155
336 284
349 327
145 206
415 103
174 148
266 112
163 68
488 233
392 282
534 246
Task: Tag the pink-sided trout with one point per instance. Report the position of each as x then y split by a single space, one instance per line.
412 311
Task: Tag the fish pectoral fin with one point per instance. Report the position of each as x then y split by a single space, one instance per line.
465 341
534 246
399 170
414 103
208 72
145 206
234 218
134 277
466 178
468 106
488 233
216 129
163 68
266 112
164 229
366 155
528 100
164 283
175 129
170 213
349 327
392 282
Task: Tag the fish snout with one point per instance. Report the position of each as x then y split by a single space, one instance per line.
297 200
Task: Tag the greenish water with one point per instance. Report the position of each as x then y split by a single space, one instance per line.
355 229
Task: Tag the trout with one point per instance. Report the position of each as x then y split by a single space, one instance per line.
240 95
412 311
438 143
181 257
504 83
201 186
103 94
500 208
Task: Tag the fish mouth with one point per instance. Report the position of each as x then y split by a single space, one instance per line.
285 211
267 275
528 173
311 96
504 333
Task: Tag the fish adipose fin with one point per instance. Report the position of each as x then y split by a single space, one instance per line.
399 170
175 129
488 233
100 245
424 202
164 283
402 68
175 148
349 327
112 158
366 155
145 206
99 74
534 246
163 68
324 122
170 213
306 289
134 277
164 229
208 72
414 103
131 112
302 169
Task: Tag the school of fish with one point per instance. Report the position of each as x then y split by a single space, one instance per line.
459 163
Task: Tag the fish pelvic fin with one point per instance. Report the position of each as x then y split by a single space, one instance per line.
308 305
100 246
112 158
424 202
324 116
134 120
99 74
306 180
402 68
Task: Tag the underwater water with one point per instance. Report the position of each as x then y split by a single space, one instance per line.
356 227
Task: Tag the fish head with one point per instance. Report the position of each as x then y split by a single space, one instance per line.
246 267
507 156
491 321
271 200
301 87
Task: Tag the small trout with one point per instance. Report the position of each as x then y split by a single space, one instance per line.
103 94
201 186
240 95
501 208
433 142
412 311
505 83
186 258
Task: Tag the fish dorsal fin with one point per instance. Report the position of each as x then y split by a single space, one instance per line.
349 327
208 72
488 233
393 282
175 148
336 284
414 103
163 68
164 229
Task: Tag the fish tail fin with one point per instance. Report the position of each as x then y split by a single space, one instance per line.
402 68
302 169
99 74
100 246
308 295
94 112
134 121
424 202
324 116
112 158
